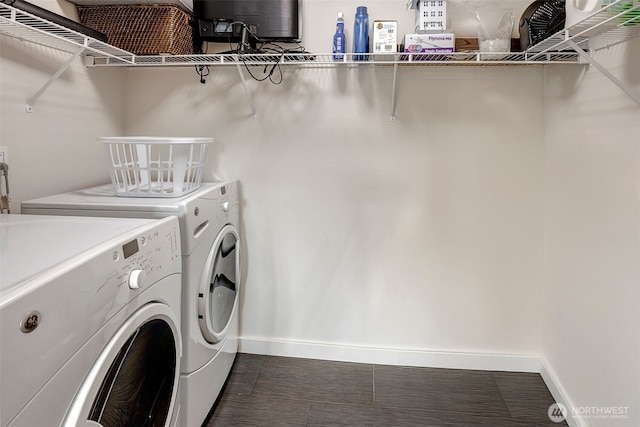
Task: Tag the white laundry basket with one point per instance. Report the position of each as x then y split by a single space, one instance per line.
155 167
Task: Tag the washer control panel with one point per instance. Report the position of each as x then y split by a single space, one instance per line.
145 259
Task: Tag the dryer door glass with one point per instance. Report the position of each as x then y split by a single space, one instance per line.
220 293
138 387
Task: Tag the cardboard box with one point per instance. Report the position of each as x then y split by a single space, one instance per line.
429 43
385 36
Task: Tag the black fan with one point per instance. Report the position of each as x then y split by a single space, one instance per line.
542 19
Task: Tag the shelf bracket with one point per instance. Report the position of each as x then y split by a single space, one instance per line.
52 79
626 89
393 92
246 91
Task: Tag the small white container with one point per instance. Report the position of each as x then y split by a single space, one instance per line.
155 166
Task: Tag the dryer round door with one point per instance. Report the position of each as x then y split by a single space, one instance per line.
219 287
134 381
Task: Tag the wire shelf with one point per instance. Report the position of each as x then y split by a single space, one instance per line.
612 24
25 26
327 60
615 23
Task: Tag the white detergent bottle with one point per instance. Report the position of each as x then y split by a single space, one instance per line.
577 10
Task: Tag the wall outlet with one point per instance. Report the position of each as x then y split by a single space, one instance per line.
4 154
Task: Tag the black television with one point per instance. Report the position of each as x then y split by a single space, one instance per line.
267 20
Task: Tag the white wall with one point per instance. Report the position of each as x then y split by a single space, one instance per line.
424 233
592 235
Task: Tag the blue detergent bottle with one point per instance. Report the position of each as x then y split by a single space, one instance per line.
339 39
361 34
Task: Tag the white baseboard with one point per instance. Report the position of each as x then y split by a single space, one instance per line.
559 394
390 356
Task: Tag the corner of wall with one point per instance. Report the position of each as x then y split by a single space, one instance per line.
559 393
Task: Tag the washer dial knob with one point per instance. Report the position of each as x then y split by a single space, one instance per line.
137 279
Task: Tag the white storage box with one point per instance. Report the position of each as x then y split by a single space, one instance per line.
156 167
431 15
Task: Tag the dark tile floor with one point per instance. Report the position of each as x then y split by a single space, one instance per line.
282 391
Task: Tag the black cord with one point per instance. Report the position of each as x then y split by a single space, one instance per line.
265 47
269 47
202 71
275 65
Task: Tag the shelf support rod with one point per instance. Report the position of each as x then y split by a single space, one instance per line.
393 92
246 91
52 79
626 89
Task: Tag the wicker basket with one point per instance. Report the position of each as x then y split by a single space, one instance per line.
142 29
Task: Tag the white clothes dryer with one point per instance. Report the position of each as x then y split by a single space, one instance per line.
209 222
90 321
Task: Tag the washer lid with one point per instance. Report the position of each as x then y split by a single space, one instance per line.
32 244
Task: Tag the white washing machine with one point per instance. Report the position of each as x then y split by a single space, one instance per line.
209 221
90 321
